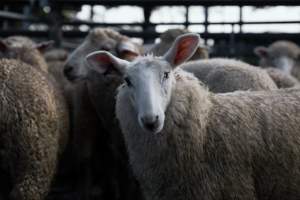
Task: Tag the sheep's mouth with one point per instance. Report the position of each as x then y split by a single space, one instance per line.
73 78
152 128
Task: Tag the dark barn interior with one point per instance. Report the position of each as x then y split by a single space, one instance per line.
17 15
55 20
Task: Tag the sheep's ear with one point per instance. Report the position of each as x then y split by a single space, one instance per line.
128 50
3 46
43 46
261 51
182 49
105 63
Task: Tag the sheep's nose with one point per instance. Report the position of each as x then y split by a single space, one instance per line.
68 69
150 122
68 72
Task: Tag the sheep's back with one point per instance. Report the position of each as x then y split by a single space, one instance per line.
227 75
30 112
282 79
257 134
296 72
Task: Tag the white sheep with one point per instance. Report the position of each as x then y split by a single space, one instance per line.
228 75
187 143
282 80
283 55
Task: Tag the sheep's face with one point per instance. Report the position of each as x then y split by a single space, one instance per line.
76 68
148 85
282 55
148 80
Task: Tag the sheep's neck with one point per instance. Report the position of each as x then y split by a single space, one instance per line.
166 159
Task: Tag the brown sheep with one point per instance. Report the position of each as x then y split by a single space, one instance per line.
35 108
99 39
92 101
33 122
188 143
284 55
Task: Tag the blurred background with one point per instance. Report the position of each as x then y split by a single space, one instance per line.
229 28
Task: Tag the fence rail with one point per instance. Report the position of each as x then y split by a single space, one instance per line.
14 12
159 2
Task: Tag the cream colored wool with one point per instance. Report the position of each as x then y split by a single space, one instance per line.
240 145
228 75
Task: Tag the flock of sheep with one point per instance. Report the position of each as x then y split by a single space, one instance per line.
157 124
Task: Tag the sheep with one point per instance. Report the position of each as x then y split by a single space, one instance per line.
93 101
100 39
35 110
56 59
228 75
227 78
104 101
22 48
185 142
33 122
168 37
30 52
282 79
281 54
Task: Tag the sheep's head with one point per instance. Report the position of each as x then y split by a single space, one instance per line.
99 39
283 55
24 49
148 80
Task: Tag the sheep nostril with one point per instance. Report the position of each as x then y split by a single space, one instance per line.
150 126
150 122
68 69
69 73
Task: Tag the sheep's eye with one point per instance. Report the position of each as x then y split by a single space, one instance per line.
166 75
128 82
